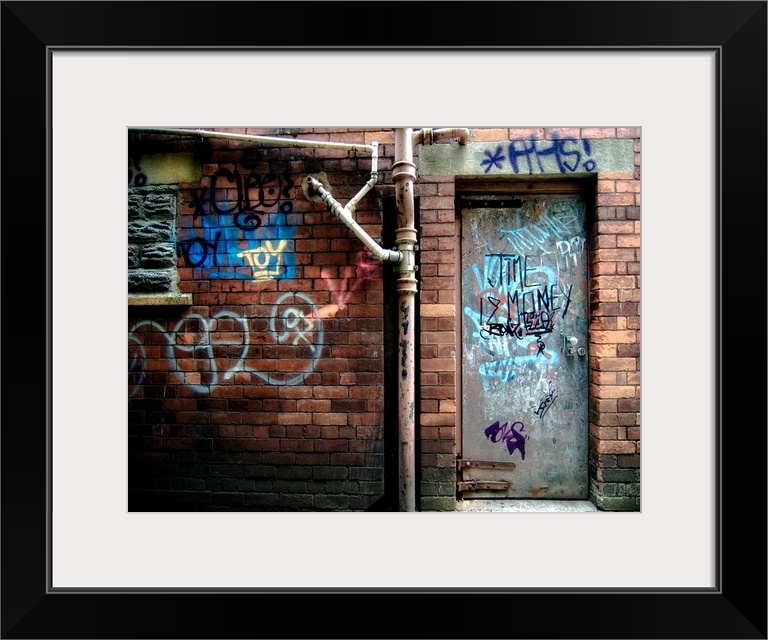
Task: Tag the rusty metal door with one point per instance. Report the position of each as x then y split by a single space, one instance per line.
524 300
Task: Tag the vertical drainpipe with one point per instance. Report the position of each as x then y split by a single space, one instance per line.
406 238
403 176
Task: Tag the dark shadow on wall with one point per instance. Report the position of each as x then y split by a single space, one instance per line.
389 501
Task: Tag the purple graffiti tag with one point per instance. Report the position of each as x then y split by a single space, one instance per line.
513 438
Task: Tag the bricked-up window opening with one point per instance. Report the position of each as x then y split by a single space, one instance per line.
152 241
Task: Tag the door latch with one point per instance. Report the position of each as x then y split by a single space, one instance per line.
569 345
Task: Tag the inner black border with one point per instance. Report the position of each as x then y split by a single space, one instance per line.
736 609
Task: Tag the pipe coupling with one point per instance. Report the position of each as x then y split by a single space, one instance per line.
403 169
405 239
407 235
407 285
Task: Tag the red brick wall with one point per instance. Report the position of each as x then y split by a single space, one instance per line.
266 392
614 390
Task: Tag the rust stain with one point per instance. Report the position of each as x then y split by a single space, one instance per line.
535 209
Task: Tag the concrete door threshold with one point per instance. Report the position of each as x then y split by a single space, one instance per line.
547 506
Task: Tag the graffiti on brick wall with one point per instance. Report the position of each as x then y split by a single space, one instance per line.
266 261
296 321
247 198
528 155
351 279
239 226
202 352
281 349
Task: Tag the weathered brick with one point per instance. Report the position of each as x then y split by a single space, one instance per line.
489 135
615 364
609 391
617 503
598 132
614 282
438 364
433 419
613 337
616 446
438 503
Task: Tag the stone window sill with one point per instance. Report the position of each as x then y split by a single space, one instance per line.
183 300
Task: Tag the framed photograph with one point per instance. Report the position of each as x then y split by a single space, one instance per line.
91 550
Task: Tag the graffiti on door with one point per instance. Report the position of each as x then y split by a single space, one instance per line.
524 371
514 439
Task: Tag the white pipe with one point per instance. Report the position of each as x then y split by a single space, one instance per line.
344 214
373 148
352 204
295 142
374 159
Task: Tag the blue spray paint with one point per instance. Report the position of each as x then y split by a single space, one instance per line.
525 155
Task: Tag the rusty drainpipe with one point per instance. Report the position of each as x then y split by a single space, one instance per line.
406 239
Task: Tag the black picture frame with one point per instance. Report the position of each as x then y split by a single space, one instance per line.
736 609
